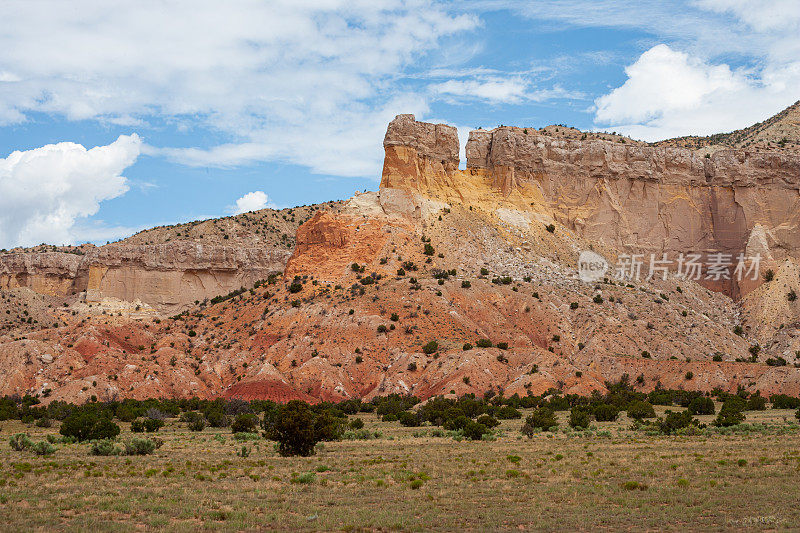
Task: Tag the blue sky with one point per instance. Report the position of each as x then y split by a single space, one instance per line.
130 114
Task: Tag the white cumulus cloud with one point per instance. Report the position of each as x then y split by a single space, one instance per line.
688 87
669 93
252 201
44 192
305 82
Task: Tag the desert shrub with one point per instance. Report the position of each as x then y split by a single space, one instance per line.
674 421
782 401
217 418
475 430
20 442
295 287
139 446
408 419
356 423
361 434
137 426
660 397
542 418
431 347
329 424
756 403
42 448
195 421
730 414
456 423
105 447
483 343
126 412
85 425
605 412
579 418
639 410
292 426
244 423
488 421
507 413
43 422
701 405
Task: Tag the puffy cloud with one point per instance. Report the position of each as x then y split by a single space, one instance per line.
252 201
669 93
311 83
45 191
663 80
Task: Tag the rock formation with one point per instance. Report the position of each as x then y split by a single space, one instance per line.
167 277
636 199
438 254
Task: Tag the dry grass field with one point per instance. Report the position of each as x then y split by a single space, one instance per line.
607 478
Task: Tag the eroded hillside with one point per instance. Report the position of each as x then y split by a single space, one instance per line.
449 280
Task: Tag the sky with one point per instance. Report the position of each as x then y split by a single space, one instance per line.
119 116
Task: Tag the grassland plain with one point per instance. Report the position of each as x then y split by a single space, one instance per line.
407 479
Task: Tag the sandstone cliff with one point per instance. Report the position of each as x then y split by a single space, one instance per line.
167 276
631 197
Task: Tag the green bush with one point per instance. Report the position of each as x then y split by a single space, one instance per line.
542 418
702 405
20 442
292 426
579 418
105 447
488 421
216 418
356 423
138 446
431 347
244 423
756 403
456 423
782 401
42 448
605 412
730 414
85 425
674 421
194 421
507 413
639 410
483 343
408 419
475 430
